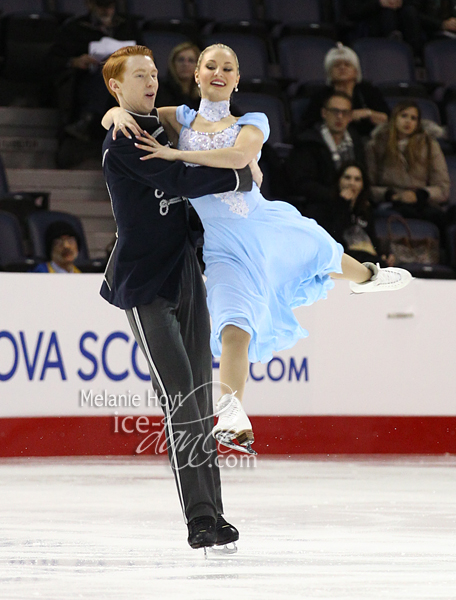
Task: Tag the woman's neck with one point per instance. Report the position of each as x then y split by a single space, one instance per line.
345 86
214 111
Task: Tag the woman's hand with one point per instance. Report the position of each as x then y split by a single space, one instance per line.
124 122
257 173
348 194
155 149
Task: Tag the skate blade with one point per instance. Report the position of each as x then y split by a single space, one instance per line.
226 549
223 439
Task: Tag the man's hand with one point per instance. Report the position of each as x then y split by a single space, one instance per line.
407 196
449 24
257 173
83 62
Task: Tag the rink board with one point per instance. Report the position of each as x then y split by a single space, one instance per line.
377 374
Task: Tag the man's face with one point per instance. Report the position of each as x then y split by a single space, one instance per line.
337 114
138 89
64 250
105 14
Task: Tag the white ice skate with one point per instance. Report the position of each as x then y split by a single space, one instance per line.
233 428
382 280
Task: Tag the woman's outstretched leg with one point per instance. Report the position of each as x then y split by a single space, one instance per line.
369 277
233 424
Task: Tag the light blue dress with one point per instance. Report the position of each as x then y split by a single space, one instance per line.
262 258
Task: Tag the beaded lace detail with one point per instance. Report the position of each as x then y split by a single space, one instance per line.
214 111
199 140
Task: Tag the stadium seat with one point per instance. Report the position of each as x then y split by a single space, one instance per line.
429 109
451 164
301 58
12 254
440 58
451 120
251 50
272 107
157 10
71 7
216 14
161 43
386 62
38 223
26 6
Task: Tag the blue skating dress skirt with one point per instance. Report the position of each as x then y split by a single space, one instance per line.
263 258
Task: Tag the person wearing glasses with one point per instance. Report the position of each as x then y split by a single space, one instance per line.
319 153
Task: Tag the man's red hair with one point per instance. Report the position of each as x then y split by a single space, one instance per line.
114 67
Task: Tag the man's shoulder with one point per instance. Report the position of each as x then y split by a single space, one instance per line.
310 137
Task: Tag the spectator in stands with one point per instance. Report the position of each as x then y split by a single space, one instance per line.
407 168
317 156
343 74
180 87
351 220
62 247
386 18
82 95
437 17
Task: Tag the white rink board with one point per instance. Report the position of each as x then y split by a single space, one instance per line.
376 354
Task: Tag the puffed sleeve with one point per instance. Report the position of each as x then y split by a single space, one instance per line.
259 120
185 115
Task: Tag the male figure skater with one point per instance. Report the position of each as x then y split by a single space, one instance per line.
153 274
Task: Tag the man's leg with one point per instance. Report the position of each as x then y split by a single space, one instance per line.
193 318
157 332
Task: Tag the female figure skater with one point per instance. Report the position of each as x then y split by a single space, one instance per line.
262 258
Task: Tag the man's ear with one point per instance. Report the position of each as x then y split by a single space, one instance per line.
114 86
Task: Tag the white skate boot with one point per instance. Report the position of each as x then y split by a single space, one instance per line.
233 425
382 280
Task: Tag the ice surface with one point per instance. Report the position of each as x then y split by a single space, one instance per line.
343 528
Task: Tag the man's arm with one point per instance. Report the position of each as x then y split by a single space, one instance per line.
175 178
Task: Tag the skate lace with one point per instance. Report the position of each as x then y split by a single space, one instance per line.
231 409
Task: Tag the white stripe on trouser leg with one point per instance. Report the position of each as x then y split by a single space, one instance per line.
167 412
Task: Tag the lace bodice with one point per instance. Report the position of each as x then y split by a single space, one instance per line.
198 140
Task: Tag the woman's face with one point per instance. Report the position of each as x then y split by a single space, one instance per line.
185 63
352 179
343 71
218 74
407 122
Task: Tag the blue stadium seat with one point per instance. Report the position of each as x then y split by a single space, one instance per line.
251 50
290 12
39 221
386 62
26 6
440 60
157 10
12 254
161 43
273 108
450 110
429 109
301 58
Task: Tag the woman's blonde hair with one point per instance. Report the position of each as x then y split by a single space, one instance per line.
221 47
172 64
414 151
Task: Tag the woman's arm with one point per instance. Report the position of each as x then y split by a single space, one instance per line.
121 119
246 148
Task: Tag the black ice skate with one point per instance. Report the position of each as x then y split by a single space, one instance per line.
226 534
201 532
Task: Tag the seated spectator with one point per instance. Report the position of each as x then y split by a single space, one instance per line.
82 96
386 18
180 87
319 153
343 74
438 18
62 247
351 220
407 168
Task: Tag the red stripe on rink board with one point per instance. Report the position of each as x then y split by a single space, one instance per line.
96 436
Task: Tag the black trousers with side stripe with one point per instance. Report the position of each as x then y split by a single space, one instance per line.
174 337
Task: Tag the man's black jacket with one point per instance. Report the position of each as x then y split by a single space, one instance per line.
152 216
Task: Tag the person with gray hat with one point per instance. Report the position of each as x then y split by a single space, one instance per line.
343 74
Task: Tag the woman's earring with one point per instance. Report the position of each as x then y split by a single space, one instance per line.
236 89
198 84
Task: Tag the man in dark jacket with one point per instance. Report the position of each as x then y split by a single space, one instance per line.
81 94
318 154
153 274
